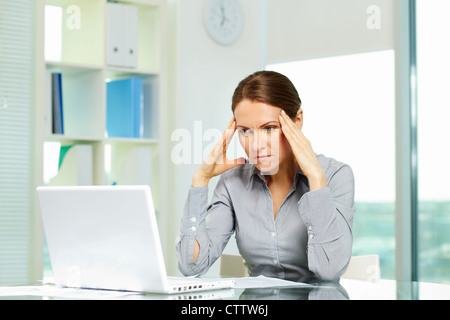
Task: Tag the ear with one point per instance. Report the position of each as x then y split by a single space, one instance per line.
299 119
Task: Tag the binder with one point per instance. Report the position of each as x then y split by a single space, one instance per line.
124 108
130 36
136 167
48 118
114 35
122 35
53 33
57 104
75 166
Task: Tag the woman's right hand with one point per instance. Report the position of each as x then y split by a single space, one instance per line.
217 162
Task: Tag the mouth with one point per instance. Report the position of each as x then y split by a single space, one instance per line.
262 158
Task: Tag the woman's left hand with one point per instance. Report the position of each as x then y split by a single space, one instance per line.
303 152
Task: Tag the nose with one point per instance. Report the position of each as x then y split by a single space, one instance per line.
258 143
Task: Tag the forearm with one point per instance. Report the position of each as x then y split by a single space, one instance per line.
329 260
200 180
203 239
193 228
329 234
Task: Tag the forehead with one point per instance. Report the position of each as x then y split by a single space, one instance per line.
255 113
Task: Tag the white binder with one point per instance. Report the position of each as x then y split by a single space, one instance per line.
135 167
76 168
130 36
114 35
122 35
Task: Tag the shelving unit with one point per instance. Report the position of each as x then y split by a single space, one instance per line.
79 53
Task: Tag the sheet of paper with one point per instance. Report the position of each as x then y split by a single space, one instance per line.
265 282
58 292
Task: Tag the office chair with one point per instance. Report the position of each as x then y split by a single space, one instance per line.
365 268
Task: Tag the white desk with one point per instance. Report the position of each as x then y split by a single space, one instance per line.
345 290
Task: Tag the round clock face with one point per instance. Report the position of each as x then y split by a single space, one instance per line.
224 20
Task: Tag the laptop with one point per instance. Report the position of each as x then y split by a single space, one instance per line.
106 237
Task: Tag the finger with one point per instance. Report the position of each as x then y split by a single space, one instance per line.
292 139
238 162
288 121
233 119
229 131
297 140
293 134
228 135
290 127
235 163
221 147
286 127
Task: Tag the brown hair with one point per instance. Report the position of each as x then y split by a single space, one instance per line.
268 87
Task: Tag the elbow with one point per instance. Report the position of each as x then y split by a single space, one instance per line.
329 275
186 265
189 263
332 265
332 272
186 270
191 269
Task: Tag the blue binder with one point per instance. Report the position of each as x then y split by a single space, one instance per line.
124 108
57 104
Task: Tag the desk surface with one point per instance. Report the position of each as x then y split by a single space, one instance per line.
346 290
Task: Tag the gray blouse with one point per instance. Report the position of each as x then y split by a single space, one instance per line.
310 238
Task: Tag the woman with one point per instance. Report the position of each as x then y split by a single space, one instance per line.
290 209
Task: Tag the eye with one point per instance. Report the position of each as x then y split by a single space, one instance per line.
270 128
244 131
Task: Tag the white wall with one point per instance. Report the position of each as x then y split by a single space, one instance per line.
205 75
308 29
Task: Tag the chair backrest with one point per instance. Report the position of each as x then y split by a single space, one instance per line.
232 266
366 268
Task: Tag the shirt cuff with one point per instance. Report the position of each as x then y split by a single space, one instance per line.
195 211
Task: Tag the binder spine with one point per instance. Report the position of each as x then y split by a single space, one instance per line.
57 104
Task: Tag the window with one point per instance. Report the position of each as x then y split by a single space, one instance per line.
433 114
16 116
349 114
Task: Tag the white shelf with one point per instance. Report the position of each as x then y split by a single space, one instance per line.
71 139
120 70
136 141
84 72
59 65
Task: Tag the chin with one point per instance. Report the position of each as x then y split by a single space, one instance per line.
268 169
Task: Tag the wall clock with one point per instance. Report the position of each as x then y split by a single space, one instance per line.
224 20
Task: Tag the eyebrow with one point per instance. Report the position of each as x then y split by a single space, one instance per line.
261 126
